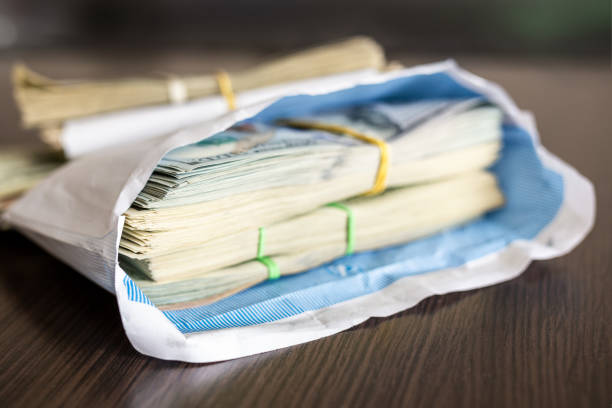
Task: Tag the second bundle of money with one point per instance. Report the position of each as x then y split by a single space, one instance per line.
262 200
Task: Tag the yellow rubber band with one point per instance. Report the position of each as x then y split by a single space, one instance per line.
380 184
225 87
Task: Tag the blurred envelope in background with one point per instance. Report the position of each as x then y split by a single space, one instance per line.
80 136
80 116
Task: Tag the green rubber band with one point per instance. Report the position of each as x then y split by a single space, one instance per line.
273 270
350 226
260 243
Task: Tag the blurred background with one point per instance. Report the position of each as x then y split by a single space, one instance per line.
550 27
519 43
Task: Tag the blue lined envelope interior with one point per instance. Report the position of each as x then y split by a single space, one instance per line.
533 196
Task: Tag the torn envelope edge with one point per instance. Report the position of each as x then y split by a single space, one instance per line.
153 334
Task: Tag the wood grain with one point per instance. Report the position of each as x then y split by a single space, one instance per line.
542 340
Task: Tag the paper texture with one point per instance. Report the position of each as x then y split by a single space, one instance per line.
76 215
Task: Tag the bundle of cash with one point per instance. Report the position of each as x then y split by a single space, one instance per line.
195 232
306 241
47 104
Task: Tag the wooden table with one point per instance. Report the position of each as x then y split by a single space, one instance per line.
543 339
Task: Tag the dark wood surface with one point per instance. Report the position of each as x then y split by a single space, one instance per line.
541 340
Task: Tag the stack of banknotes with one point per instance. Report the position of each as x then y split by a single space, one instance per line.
82 109
262 200
101 114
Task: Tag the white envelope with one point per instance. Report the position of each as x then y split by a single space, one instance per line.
76 215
